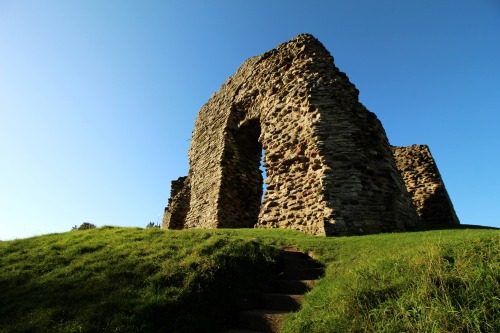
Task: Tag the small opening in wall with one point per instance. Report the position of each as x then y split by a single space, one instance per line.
264 173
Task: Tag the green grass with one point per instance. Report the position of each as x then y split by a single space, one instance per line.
435 281
126 280
133 280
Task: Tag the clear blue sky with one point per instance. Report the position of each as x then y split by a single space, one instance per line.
98 98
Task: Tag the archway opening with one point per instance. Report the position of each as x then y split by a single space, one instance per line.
242 186
263 172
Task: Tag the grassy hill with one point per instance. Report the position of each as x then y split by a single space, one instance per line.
149 280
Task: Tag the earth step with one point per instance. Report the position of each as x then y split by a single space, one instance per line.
296 287
264 311
301 263
261 320
301 274
299 257
282 302
250 302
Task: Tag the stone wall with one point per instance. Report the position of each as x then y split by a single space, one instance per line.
330 169
178 205
424 183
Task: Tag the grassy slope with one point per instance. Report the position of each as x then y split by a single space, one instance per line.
125 280
435 281
116 279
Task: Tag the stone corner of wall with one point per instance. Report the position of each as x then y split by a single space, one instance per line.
178 204
425 185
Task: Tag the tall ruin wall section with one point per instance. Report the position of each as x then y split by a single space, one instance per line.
425 185
330 169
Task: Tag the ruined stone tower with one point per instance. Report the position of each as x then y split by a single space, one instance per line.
330 169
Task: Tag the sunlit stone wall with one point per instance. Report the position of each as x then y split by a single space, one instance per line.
330 169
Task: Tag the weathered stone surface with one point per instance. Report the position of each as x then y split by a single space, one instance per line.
424 183
178 204
330 169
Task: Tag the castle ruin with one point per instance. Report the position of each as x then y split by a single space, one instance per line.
330 169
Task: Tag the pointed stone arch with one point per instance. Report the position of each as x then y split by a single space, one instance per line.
330 169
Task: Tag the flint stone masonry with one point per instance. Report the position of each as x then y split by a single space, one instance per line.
424 183
330 169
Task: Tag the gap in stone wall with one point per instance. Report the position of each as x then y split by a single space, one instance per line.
241 190
264 173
